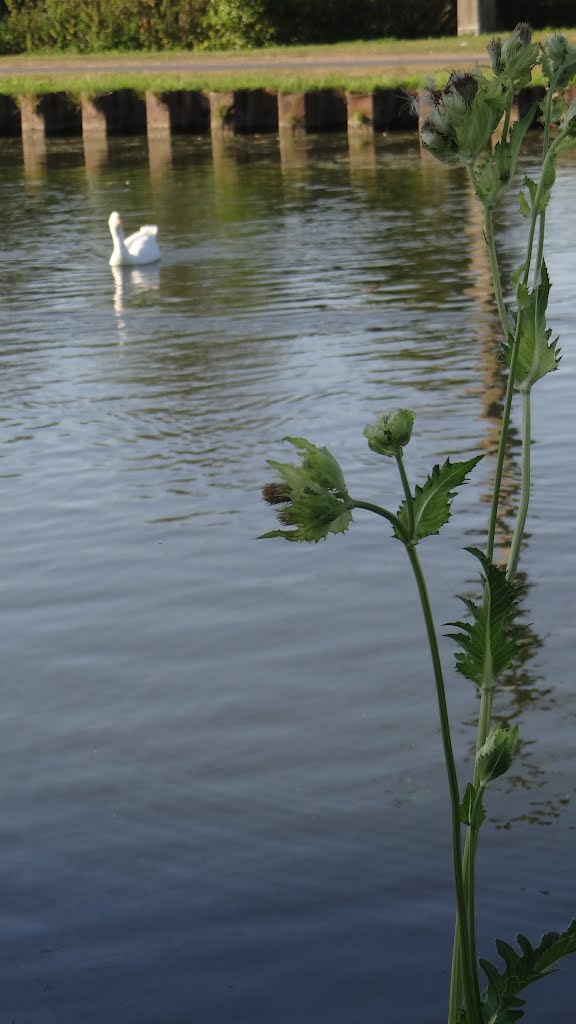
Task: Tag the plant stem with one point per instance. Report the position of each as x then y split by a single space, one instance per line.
487 693
469 972
516 545
489 236
379 511
448 752
542 222
513 360
407 492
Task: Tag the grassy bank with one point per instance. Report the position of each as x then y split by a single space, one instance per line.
94 84
361 67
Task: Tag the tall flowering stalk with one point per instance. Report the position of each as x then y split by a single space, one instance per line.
311 499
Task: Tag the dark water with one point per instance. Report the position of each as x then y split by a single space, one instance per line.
223 799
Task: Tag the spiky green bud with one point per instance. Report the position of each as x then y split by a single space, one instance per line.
391 432
462 117
518 56
495 54
557 48
442 146
561 57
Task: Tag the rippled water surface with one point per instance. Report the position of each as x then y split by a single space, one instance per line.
223 799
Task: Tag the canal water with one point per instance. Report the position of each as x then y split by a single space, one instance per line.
222 793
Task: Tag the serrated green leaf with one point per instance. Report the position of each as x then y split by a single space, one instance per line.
523 295
500 1003
494 175
475 126
508 954
518 274
472 813
432 501
532 187
546 185
525 208
537 355
491 641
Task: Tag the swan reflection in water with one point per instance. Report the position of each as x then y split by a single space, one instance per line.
132 288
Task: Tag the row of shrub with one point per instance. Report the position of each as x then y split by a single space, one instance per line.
92 25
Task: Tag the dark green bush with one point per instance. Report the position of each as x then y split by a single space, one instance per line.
234 24
85 25
101 24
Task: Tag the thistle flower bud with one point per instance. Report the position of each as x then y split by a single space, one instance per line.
519 55
557 49
517 40
443 147
392 430
313 495
434 100
462 117
495 53
562 58
459 93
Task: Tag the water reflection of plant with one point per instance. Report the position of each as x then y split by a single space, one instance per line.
312 500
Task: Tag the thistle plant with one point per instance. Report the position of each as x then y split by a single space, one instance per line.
312 501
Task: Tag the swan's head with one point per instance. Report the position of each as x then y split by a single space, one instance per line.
114 221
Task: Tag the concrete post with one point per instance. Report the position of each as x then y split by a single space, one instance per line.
360 112
475 16
93 118
157 115
32 119
291 111
221 113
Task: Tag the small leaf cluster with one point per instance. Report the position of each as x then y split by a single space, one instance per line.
462 117
312 498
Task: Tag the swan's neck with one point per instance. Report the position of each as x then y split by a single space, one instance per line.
119 243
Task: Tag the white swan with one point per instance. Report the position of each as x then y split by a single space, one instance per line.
137 249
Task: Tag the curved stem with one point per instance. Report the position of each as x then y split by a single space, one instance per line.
469 972
379 511
516 545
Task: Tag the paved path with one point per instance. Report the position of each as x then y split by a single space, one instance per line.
24 65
